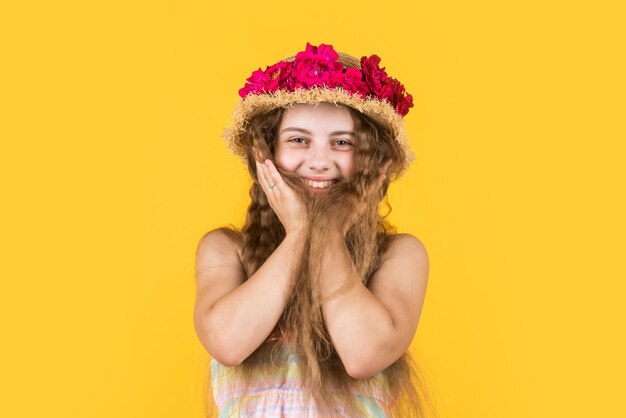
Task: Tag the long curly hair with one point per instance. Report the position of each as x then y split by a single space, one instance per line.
321 371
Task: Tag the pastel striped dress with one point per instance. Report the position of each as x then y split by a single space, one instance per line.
278 396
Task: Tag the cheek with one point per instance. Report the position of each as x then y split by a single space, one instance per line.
286 160
348 165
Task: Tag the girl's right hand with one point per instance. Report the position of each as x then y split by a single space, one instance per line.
286 203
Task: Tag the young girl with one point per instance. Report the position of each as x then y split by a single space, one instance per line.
310 308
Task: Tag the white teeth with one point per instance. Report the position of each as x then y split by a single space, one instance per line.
319 184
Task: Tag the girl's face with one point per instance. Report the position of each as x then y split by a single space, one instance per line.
316 143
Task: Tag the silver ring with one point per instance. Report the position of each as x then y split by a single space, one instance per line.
272 185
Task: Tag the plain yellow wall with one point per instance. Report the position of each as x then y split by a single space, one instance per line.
112 168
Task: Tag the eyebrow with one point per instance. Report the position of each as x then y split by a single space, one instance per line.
304 131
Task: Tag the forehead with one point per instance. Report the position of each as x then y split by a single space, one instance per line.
321 117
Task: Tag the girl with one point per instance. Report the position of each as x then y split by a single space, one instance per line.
310 308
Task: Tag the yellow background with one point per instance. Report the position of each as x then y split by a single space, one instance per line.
112 168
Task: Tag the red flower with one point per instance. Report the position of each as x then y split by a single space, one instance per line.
277 76
318 66
394 93
315 65
351 81
374 75
255 84
388 91
403 106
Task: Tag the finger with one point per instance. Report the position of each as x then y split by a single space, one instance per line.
274 176
261 176
271 184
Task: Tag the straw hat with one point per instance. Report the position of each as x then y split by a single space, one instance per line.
320 74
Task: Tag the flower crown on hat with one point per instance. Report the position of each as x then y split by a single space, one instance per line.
320 67
321 74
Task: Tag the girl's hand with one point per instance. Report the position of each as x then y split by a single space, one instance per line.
286 203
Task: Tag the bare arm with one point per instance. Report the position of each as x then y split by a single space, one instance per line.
372 327
232 316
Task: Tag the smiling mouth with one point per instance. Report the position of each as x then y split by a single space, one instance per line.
319 184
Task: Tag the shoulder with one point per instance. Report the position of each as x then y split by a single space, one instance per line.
220 238
219 244
219 268
403 262
406 245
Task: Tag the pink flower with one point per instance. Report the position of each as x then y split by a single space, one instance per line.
351 81
318 66
255 84
315 65
278 76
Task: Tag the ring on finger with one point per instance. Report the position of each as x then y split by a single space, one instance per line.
272 185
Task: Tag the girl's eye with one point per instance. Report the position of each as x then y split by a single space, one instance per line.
298 140
342 142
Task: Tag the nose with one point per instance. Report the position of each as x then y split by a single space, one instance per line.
318 160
